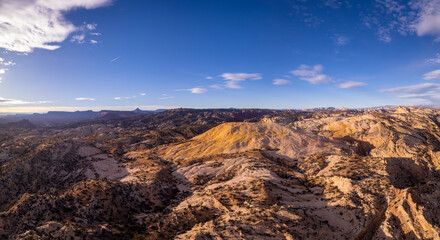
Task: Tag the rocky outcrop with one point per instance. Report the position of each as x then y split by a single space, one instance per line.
226 174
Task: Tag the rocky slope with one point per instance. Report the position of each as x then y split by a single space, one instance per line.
226 174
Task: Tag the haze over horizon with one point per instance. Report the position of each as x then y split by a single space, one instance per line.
119 55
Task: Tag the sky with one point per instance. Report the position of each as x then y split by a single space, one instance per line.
280 54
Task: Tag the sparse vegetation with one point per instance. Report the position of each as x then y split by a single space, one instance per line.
175 175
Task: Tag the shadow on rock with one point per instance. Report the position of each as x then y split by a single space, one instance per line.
404 172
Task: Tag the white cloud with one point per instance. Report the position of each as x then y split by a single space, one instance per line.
8 63
312 75
78 38
233 79
95 33
428 17
208 77
233 85
122 98
5 63
82 32
8 102
384 34
85 99
436 59
166 96
340 40
434 75
142 94
334 3
91 26
417 89
420 101
424 98
392 6
29 24
197 90
421 17
421 94
351 84
241 76
383 31
280 82
115 59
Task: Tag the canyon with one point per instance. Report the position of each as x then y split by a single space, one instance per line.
225 174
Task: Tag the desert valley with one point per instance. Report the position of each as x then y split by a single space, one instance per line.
225 174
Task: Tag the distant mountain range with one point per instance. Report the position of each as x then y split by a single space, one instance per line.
56 118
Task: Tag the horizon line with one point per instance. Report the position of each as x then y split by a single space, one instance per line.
43 110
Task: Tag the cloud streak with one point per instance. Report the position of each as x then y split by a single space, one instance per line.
217 86
233 79
115 59
11 102
166 96
418 88
280 82
124 98
425 93
434 75
351 84
84 99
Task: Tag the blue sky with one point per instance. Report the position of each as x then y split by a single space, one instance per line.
121 54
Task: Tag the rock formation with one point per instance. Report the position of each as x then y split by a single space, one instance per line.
226 174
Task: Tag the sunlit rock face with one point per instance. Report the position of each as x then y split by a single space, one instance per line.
226 174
